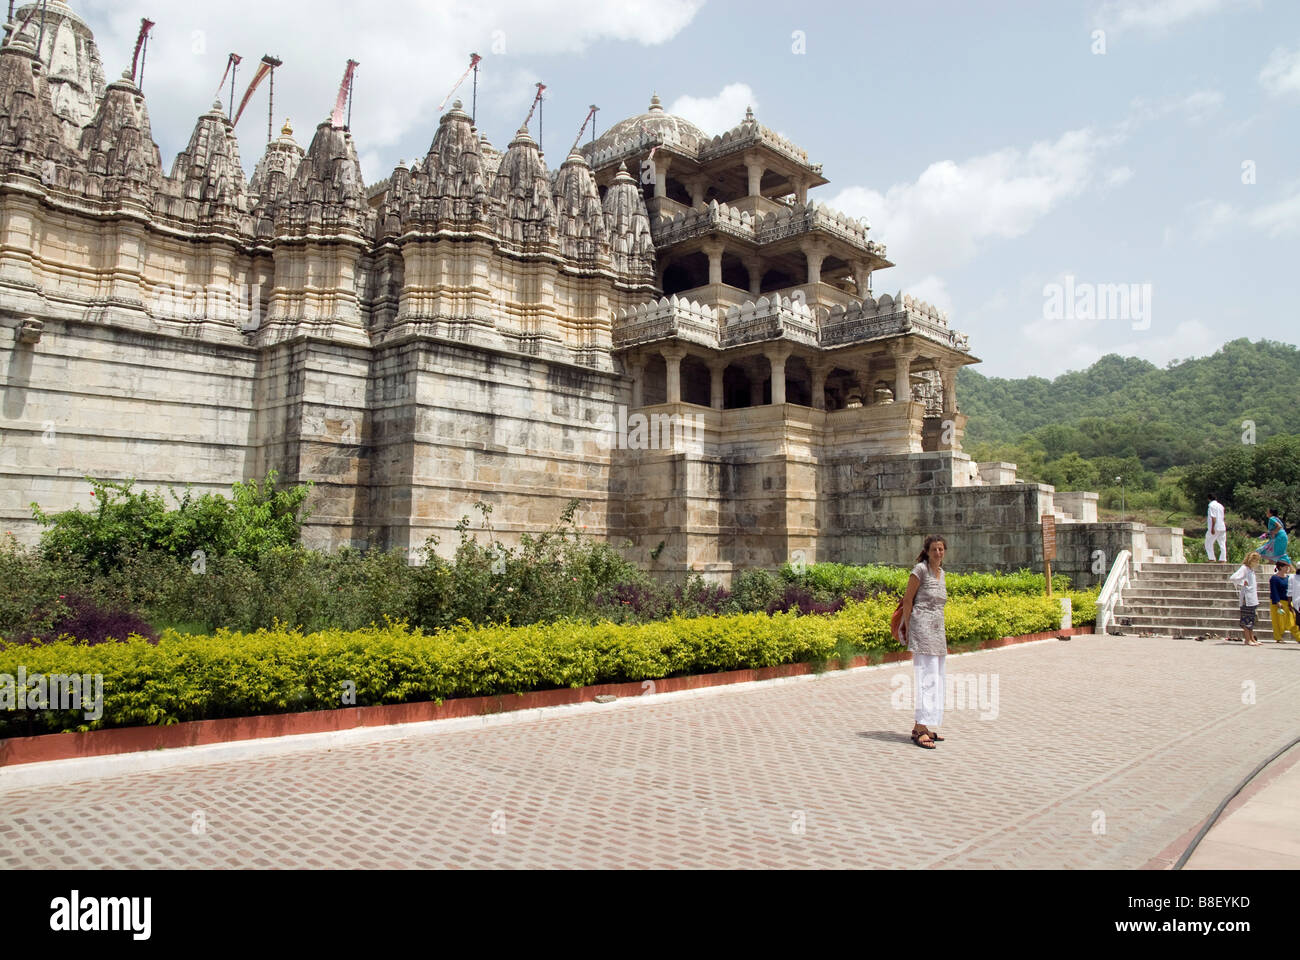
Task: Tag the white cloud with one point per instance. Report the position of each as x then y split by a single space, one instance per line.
1195 108
1279 218
1119 176
1157 15
1281 73
1207 220
410 54
948 213
716 114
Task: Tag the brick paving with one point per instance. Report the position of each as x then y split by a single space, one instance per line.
1103 751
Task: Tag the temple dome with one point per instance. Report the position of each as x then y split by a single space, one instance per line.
655 123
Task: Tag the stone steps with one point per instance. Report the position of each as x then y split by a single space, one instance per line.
1189 600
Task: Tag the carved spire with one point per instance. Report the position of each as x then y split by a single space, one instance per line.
121 157
580 218
207 180
271 179
72 64
521 194
31 138
327 193
449 185
628 223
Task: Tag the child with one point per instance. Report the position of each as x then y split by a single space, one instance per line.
1244 578
1281 613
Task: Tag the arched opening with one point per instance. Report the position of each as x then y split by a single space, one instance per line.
654 389
686 273
736 390
696 382
835 271
798 382
776 279
842 389
674 190
734 272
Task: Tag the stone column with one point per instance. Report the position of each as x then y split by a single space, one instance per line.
820 369
755 267
755 383
862 277
661 174
754 166
903 357
717 367
636 369
713 249
698 186
777 356
814 252
948 377
800 190
673 356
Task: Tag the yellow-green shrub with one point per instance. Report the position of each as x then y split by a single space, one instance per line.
231 674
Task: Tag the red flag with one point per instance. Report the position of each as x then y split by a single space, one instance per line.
336 119
263 69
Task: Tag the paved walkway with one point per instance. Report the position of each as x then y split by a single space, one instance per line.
1093 752
1260 829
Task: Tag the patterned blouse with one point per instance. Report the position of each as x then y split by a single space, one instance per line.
925 629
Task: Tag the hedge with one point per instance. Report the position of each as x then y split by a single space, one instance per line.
185 677
841 579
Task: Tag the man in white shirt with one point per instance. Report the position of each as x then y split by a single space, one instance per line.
1215 531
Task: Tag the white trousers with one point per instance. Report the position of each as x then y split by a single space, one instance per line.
928 688
1221 538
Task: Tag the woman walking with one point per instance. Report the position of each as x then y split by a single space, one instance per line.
1275 540
1248 588
923 633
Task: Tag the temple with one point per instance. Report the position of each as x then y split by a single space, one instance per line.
665 328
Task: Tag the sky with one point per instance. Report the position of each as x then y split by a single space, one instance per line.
1067 179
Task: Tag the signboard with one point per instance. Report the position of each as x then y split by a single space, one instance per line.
1049 548
1049 537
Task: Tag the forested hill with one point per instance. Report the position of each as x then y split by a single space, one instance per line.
1125 407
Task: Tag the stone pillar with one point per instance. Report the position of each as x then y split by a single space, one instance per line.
713 249
903 358
636 369
820 369
801 190
716 369
814 252
661 175
673 359
755 384
948 377
754 166
777 356
862 277
755 267
697 186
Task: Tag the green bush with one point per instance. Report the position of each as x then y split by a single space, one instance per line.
234 674
840 580
125 522
753 591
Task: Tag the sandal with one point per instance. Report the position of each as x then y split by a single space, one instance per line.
923 738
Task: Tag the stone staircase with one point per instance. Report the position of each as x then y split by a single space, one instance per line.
1189 600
